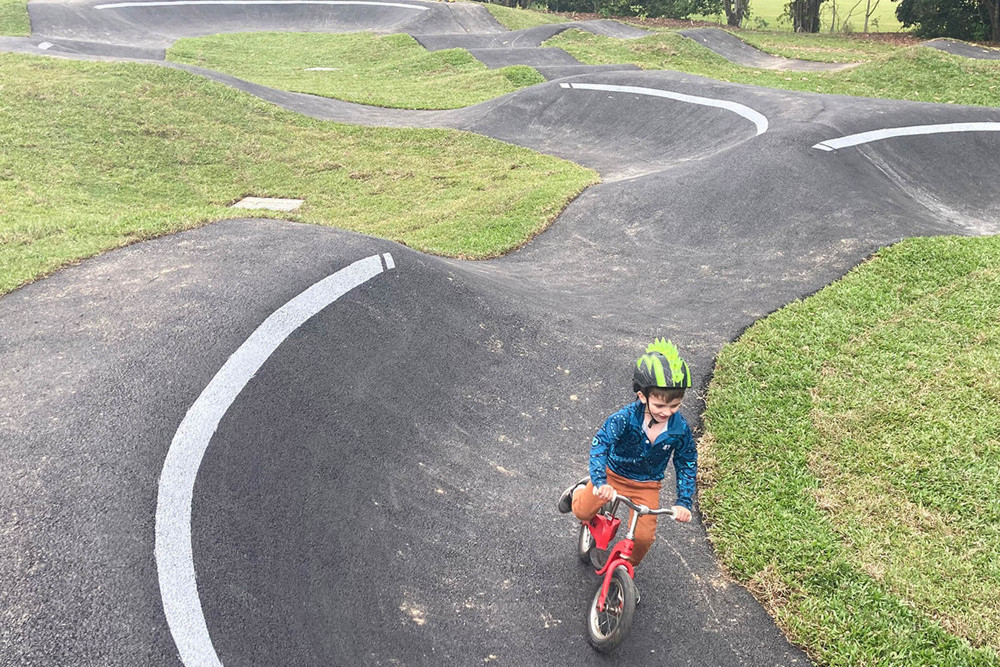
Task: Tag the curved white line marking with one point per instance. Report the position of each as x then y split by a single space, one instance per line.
755 117
174 559
119 5
912 130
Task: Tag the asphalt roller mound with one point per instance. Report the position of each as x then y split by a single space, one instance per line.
622 134
735 50
153 24
912 167
380 491
145 28
964 49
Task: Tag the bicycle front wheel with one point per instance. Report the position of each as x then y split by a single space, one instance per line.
608 628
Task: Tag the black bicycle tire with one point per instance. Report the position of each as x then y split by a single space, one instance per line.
584 544
606 643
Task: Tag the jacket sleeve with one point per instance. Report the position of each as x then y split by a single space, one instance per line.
609 434
686 465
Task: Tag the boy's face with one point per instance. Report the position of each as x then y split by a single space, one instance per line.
659 409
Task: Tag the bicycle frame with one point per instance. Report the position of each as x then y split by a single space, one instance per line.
603 528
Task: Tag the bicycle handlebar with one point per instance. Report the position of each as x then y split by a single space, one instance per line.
642 509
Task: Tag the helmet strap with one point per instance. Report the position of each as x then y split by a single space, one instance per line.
652 419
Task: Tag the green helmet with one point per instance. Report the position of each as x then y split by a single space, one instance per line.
662 367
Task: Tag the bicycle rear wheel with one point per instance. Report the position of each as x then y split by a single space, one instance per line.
584 544
608 628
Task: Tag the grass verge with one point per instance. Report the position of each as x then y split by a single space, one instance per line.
851 455
94 156
14 19
909 73
387 71
513 18
820 47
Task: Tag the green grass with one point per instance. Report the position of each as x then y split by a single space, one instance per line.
764 15
820 47
94 156
389 71
14 18
513 18
851 455
909 73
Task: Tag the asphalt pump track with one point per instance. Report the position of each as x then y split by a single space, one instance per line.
389 431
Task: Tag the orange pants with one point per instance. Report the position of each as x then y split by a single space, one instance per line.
586 506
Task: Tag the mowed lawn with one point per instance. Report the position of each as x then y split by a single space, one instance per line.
96 155
851 461
14 18
386 71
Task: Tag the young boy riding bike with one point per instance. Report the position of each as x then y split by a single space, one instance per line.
630 452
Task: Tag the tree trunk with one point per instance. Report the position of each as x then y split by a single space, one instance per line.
993 9
736 11
731 19
805 15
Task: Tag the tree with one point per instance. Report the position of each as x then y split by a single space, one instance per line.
973 20
679 9
869 10
992 8
845 21
736 11
804 15
671 9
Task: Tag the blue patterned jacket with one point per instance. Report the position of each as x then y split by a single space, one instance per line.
622 446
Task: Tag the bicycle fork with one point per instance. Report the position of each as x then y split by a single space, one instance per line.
619 556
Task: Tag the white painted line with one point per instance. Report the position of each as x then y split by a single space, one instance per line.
912 130
322 69
120 5
174 559
755 117
389 263
45 46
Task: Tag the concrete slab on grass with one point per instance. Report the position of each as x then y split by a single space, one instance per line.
270 203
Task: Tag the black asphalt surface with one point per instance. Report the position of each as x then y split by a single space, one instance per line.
383 491
733 48
964 49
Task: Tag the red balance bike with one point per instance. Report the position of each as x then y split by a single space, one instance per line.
609 617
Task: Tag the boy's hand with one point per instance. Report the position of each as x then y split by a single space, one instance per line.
681 513
604 492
